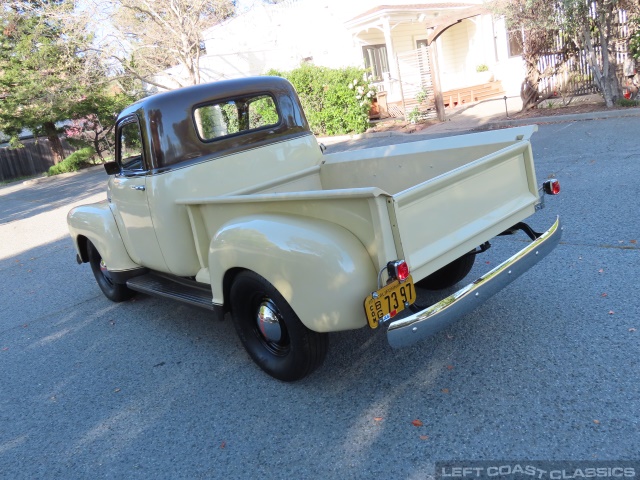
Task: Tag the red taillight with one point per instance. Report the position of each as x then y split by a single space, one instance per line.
398 269
551 187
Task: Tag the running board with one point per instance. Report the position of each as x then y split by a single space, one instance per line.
183 290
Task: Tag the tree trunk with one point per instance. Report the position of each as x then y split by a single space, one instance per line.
97 147
610 84
529 92
51 132
604 72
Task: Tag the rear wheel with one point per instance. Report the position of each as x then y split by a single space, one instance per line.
117 292
448 275
271 332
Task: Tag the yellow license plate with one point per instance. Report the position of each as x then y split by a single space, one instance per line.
389 301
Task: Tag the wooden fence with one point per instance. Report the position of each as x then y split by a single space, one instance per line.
34 158
575 77
416 83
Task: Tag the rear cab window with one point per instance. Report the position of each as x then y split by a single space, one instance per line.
231 117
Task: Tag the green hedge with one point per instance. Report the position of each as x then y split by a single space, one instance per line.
335 101
73 162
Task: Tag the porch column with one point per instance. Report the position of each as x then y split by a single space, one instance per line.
435 80
386 29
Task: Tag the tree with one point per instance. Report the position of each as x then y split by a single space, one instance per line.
155 35
96 129
593 26
534 23
47 71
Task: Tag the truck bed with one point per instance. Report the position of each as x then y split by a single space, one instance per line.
447 195
428 201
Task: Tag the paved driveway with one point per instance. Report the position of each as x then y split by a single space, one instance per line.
547 369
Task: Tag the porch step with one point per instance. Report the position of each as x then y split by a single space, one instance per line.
174 288
474 93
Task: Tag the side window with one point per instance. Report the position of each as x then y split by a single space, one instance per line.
130 153
234 116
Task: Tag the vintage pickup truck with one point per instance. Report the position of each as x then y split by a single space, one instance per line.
221 197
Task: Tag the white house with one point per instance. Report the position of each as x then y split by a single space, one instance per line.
409 48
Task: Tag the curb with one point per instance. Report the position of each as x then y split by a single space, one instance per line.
359 136
576 117
35 181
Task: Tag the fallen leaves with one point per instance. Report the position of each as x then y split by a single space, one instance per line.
445 390
601 270
597 422
611 312
449 367
417 423
604 295
223 444
424 437
116 390
633 241
377 419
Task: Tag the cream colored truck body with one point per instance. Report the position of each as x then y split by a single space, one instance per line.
319 227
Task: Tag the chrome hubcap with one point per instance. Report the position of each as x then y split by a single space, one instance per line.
105 272
268 320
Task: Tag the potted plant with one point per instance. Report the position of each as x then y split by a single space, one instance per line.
483 73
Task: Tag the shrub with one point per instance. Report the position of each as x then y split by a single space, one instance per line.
414 115
335 101
73 162
625 102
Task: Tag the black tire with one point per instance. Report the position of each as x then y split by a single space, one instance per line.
284 347
448 275
116 292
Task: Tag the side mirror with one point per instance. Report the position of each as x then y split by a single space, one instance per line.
112 168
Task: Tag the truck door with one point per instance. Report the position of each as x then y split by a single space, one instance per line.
129 196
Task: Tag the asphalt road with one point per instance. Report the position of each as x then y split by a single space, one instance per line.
547 369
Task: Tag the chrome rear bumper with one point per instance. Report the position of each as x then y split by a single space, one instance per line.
440 315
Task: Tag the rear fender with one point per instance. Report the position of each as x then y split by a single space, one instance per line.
96 224
320 268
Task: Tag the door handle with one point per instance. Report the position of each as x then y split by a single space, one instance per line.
138 187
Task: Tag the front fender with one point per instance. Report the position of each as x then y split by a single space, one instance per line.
95 222
320 268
